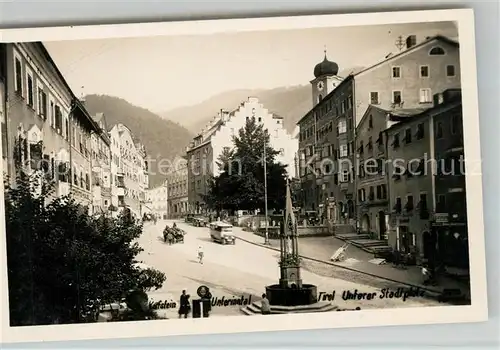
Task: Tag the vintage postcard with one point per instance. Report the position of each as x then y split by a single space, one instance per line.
240 175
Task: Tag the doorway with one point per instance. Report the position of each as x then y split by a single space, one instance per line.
429 243
382 228
365 224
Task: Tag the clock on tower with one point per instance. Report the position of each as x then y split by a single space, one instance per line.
320 86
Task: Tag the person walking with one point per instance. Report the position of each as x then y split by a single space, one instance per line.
184 305
200 254
265 305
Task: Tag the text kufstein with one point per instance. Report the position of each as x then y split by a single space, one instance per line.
386 293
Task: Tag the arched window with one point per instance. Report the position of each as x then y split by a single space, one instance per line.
320 98
436 51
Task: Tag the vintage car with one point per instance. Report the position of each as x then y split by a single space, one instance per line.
222 232
200 221
189 218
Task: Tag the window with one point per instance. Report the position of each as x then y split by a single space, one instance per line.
425 95
396 72
58 119
395 142
371 196
422 206
29 90
424 71
344 175
455 124
374 98
436 51
420 131
408 136
342 126
370 122
343 150
409 203
439 130
19 76
397 206
441 203
42 103
450 70
396 97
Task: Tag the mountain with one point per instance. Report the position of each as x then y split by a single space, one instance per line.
289 102
164 139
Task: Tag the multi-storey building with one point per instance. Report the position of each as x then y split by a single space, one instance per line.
101 167
404 80
203 153
130 170
449 225
411 168
47 129
371 181
177 183
157 201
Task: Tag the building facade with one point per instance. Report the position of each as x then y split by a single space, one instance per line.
412 177
157 201
47 129
203 153
371 182
405 80
449 233
101 167
129 169
177 183
326 146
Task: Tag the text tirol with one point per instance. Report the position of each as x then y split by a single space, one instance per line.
386 293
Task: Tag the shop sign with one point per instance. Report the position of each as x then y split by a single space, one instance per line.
441 218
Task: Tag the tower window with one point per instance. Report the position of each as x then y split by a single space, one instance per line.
320 98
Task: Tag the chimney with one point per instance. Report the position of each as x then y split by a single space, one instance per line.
411 41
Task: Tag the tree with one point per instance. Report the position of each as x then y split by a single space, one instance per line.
240 185
64 264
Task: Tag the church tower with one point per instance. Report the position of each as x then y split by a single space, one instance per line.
325 80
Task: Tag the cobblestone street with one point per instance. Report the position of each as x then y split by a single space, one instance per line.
244 270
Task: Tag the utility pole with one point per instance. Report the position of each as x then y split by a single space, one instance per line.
265 189
400 44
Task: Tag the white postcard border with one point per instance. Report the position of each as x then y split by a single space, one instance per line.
477 311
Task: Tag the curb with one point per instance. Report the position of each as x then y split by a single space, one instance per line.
431 294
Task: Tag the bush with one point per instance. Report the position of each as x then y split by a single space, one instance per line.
64 264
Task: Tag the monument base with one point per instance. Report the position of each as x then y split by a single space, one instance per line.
285 296
322 306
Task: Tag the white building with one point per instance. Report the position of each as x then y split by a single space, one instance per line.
157 201
203 153
101 167
129 170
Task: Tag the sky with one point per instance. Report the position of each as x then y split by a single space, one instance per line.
166 72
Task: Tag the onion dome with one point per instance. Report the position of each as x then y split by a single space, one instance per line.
326 67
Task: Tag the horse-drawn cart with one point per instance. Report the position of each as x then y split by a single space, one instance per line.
173 235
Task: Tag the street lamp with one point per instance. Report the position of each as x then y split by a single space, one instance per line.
264 160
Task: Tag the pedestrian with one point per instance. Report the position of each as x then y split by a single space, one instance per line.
425 275
200 254
184 305
265 305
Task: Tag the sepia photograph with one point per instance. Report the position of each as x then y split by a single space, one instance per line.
298 170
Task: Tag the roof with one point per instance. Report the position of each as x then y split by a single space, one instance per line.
422 115
413 48
75 101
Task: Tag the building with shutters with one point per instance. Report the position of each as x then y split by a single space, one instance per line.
403 80
45 127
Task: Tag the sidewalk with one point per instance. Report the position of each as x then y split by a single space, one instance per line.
320 249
